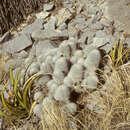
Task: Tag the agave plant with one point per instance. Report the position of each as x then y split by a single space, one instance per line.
18 104
119 54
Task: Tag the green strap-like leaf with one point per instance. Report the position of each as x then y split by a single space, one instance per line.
18 113
11 76
5 104
113 52
28 85
16 81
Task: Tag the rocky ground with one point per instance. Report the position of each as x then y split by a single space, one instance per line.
68 41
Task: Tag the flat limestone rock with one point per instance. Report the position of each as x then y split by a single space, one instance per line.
5 37
17 44
119 11
50 35
33 27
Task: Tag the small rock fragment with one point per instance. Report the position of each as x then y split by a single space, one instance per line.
48 7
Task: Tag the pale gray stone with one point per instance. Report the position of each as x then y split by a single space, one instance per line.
62 26
51 24
63 15
90 34
79 9
48 7
105 22
97 17
37 25
84 38
22 54
119 12
50 34
17 44
5 37
101 33
96 26
42 15
99 42
92 10
14 63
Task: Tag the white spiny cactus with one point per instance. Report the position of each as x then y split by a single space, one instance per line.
92 81
38 96
61 65
43 80
88 49
46 102
93 60
50 83
40 59
62 93
34 68
49 61
58 77
72 46
77 55
76 72
52 88
70 107
46 68
68 81
38 110
28 60
65 49
51 52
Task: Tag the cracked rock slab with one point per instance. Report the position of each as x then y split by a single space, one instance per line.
5 37
17 44
119 11
50 34
33 27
